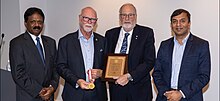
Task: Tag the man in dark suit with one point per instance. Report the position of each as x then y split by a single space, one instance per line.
136 84
33 71
79 54
183 63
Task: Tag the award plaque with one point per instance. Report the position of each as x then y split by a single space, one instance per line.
116 65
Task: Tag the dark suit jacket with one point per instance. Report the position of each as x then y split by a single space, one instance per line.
71 66
27 68
194 71
141 60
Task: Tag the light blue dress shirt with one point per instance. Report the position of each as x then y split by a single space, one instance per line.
178 51
87 47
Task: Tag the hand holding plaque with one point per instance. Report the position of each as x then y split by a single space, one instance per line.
116 65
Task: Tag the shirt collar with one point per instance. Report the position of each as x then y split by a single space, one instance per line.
184 40
123 31
80 35
34 37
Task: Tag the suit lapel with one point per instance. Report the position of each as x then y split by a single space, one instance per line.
77 48
31 45
46 52
187 50
170 57
134 40
187 47
96 51
76 44
114 40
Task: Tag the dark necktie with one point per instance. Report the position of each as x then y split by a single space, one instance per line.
40 49
124 44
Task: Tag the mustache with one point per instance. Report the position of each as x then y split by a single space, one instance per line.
127 22
90 25
37 27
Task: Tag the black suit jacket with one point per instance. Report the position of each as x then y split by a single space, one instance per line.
27 68
194 71
141 58
71 66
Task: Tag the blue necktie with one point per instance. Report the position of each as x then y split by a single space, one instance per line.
124 44
40 49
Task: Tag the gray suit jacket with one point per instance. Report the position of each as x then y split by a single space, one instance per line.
27 68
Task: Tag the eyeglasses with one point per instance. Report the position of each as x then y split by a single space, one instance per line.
86 19
127 15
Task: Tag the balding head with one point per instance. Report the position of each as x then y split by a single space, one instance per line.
127 5
89 12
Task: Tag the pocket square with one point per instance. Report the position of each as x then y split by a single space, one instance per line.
101 50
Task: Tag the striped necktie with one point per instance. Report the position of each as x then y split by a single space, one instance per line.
124 44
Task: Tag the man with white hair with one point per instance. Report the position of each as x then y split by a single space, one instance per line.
138 42
80 61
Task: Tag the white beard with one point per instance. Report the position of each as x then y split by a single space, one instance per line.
88 29
127 26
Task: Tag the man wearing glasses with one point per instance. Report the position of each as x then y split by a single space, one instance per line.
80 61
138 42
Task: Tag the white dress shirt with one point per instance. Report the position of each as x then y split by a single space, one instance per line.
120 40
35 41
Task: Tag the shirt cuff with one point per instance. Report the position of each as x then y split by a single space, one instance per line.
130 77
77 86
182 94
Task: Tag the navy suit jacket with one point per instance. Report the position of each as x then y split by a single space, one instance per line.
27 68
71 66
194 71
141 58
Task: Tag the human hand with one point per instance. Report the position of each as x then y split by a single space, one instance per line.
42 92
96 73
173 95
83 84
122 80
46 93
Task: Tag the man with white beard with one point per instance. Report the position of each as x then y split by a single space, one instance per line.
138 42
80 61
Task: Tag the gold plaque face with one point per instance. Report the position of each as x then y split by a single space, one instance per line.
116 65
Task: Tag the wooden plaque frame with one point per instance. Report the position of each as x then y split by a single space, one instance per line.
116 65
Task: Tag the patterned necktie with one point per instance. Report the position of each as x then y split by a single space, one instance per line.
40 49
124 44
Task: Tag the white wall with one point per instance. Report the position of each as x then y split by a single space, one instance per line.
9 26
62 18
